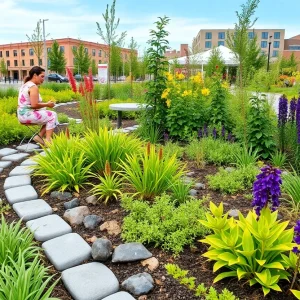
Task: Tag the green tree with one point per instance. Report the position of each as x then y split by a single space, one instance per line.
115 60
143 65
3 68
57 59
36 41
82 60
94 67
215 63
110 36
133 62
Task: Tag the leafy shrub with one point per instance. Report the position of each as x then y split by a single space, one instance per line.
76 128
245 157
58 97
200 290
62 118
64 166
163 224
15 239
9 92
105 145
251 248
291 189
11 130
278 159
214 151
233 181
152 173
148 133
104 110
56 87
9 105
173 148
20 280
181 191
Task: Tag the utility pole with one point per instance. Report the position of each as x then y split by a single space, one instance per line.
45 49
269 50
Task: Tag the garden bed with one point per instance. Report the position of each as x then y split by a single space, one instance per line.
191 259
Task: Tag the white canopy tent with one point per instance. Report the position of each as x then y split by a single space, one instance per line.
202 58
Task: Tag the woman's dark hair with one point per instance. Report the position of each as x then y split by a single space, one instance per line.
35 70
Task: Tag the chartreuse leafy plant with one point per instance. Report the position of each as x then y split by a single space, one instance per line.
200 291
105 145
249 248
64 166
163 223
151 173
291 189
109 186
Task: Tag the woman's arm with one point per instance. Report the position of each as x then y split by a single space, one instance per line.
34 99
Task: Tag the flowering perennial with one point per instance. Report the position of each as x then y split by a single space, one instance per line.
293 106
297 237
282 111
298 119
266 188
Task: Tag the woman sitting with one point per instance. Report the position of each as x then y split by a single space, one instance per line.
31 109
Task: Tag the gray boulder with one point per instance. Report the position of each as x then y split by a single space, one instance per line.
71 204
130 252
101 249
91 221
75 216
61 195
139 284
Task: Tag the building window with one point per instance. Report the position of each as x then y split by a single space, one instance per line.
48 50
221 43
48 61
100 53
31 62
208 44
15 63
208 35
62 48
86 50
294 47
93 52
31 52
277 35
251 35
263 44
221 35
265 35
100 61
40 62
22 52
276 44
7 53
8 63
15 53
23 62
0 53
275 53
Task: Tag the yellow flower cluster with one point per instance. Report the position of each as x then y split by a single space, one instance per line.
169 76
205 92
197 78
225 85
187 93
179 76
168 102
165 93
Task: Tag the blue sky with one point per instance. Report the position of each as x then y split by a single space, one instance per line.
77 18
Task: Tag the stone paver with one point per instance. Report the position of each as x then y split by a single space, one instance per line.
119 296
21 170
7 151
20 194
32 209
29 162
67 251
92 281
14 181
15 157
28 147
5 164
48 227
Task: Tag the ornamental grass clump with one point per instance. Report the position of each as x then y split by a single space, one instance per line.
266 189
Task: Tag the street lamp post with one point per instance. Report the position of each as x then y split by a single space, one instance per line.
45 49
269 50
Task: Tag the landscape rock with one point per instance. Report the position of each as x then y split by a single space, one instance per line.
229 169
75 216
91 200
61 195
152 263
199 186
91 221
130 252
189 174
139 284
71 204
112 227
187 180
101 249
193 192
233 213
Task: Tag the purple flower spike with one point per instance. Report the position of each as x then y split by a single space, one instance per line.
223 132
205 130
298 119
266 189
229 137
166 136
283 110
297 237
214 133
200 134
293 106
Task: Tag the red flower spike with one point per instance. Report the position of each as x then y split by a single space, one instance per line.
67 133
91 80
160 154
107 168
148 148
72 80
86 84
81 89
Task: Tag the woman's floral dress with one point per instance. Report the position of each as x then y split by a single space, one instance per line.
27 115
